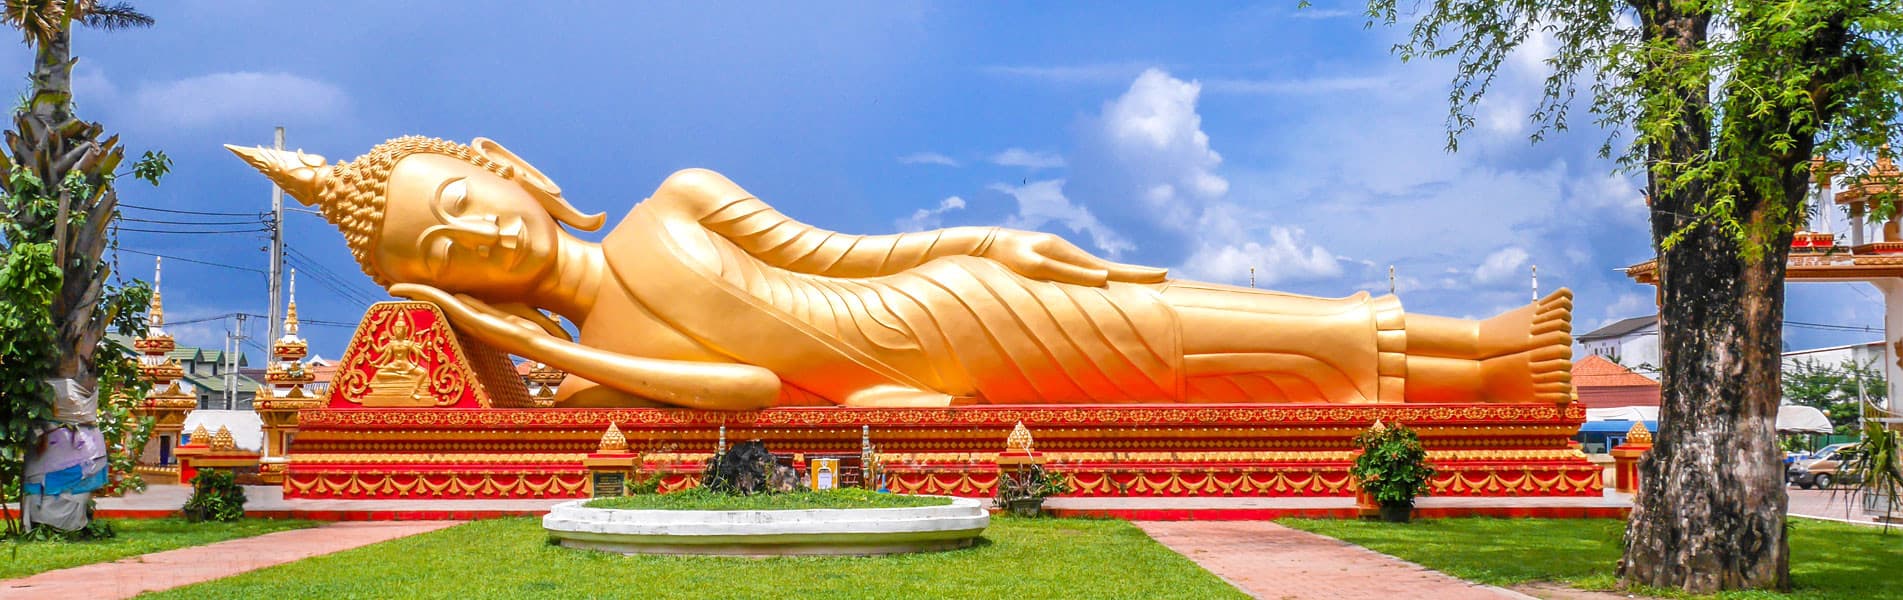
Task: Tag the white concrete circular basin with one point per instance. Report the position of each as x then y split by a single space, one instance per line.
861 531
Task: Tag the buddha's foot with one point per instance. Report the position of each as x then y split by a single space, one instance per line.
1528 352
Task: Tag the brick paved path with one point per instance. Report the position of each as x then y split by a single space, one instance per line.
1277 563
129 577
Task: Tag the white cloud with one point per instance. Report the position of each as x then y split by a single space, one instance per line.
1043 202
928 158
1288 256
1320 85
1500 266
1155 134
1019 157
223 97
929 218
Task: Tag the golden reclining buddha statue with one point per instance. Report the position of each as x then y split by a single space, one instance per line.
706 297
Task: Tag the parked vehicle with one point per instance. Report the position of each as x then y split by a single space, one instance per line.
1822 470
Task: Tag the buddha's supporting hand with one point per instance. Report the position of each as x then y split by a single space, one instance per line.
718 386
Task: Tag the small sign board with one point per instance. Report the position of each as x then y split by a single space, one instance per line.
825 473
609 484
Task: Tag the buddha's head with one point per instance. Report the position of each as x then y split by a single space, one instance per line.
469 219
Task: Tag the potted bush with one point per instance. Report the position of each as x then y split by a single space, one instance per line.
216 496
1391 469
1022 491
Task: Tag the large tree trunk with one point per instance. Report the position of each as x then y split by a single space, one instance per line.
1710 509
1709 515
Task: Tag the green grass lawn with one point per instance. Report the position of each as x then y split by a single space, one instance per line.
136 536
1828 560
701 499
510 558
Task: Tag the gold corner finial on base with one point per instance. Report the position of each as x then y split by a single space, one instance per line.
221 441
200 435
1019 440
612 442
1638 434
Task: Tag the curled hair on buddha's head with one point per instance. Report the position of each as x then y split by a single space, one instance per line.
352 195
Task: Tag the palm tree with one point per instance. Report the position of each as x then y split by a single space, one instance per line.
75 165
58 179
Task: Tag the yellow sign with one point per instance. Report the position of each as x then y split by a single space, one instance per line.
825 473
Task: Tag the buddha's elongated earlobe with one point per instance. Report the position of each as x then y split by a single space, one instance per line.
544 189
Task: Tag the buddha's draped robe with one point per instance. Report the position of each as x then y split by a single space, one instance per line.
833 314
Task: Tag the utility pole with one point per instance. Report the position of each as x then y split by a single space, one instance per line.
234 344
277 250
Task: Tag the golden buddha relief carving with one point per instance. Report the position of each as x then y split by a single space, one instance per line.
399 380
704 296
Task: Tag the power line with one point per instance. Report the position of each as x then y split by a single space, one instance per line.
192 232
329 282
1833 327
194 261
192 212
317 267
164 222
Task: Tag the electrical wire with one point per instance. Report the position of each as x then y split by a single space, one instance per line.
164 222
193 232
195 261
194 212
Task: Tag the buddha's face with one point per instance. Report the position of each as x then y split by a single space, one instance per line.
460 228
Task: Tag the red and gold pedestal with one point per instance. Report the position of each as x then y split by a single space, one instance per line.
1625 457
480 437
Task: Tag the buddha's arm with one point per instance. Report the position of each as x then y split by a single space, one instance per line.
722 207
719 386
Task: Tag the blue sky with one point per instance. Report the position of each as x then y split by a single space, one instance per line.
1209 138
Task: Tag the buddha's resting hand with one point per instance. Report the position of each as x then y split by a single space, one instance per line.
1047 257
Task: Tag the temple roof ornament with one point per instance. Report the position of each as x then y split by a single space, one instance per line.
200 436
286 375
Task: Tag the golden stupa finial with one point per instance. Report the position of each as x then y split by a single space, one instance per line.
1638 434
612 442
1019 440
200 436
290 312
156 320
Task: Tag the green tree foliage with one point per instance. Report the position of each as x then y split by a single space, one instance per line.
1838 390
